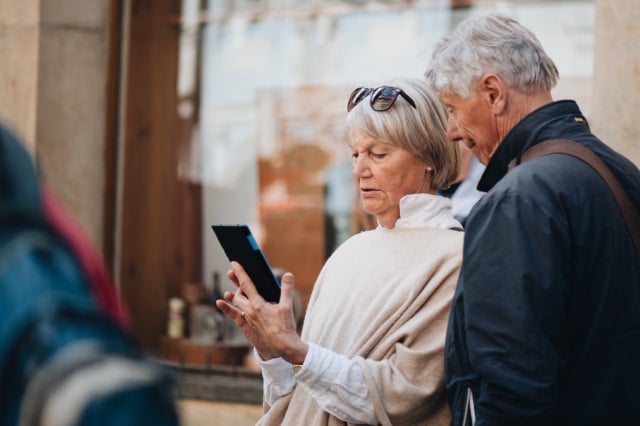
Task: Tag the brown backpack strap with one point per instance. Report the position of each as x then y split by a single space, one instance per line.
564 146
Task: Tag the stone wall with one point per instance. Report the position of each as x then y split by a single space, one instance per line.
53 93
19 38
616 80
72 105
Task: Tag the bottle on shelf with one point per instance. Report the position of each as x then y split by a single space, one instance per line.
175 325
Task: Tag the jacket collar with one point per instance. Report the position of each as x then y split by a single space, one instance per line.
528 132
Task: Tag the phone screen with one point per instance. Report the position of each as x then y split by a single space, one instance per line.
239 245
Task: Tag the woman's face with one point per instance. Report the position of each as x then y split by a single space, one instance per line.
384 174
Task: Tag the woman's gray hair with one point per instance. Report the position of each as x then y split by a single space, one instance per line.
421 131
490 44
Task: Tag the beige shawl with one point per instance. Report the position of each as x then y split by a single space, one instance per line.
383 298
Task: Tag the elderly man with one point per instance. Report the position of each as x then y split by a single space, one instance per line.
545 324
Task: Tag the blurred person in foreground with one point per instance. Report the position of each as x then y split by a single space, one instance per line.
372 341
545 323
66 357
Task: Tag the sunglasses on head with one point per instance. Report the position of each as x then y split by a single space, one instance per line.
382 98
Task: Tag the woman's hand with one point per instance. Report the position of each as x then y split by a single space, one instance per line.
270 327
252 334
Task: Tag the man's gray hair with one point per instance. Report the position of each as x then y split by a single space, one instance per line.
490 44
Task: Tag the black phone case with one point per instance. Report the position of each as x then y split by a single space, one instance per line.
239 245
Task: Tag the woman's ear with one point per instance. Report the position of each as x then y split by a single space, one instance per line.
495 91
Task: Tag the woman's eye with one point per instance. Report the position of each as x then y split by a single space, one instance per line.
354 157
378 155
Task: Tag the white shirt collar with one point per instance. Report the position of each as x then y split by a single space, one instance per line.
426 210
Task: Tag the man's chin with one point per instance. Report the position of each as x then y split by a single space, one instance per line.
483 160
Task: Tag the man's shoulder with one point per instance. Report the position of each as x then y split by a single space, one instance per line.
555 187
549 177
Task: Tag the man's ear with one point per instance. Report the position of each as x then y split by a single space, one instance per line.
495 91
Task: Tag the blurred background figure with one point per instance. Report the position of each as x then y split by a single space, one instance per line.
464 193
65 355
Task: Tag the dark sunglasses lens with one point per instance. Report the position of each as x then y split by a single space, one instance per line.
383 98
357 96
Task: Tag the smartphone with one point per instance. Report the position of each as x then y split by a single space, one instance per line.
239 245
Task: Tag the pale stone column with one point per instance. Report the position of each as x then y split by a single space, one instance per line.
72 105
19 38
53 93
616 79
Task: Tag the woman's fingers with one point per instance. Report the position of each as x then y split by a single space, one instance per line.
244 282
286 289
232 276
228 296
231 311
253 335
270 327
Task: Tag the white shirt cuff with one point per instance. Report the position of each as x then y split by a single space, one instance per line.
278 378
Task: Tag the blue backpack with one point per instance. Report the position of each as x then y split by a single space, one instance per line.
62 358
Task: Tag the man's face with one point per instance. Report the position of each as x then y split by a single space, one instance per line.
472 122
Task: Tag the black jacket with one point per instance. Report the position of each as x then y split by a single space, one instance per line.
545 324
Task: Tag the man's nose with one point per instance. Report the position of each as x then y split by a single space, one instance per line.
453 134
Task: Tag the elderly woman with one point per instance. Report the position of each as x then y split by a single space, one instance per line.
371 348
545 325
